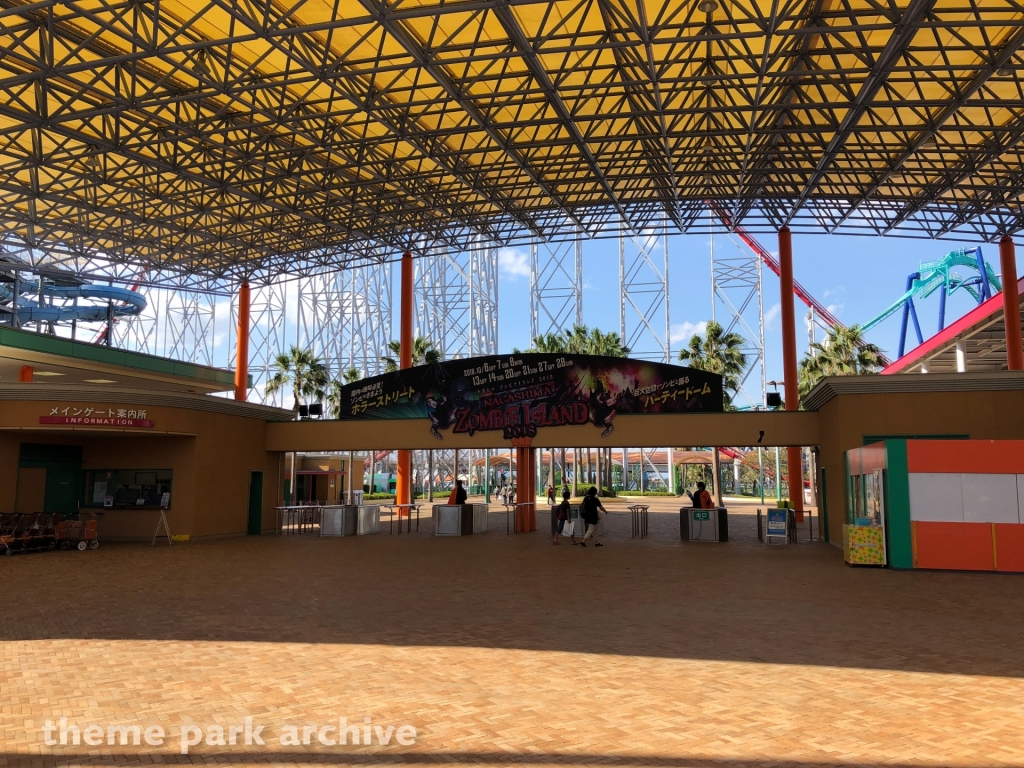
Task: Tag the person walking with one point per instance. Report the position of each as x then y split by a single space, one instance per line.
591 514
562 513
566 495
551 495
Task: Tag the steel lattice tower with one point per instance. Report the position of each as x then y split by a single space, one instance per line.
556 286
737 303
190 327
643 298
179 324
320 319
366 318
345 318
142 332
457 300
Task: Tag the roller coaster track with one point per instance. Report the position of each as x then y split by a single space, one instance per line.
825 317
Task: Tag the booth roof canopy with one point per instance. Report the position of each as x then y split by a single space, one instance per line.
230 138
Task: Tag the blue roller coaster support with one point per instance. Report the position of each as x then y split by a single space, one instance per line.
938 276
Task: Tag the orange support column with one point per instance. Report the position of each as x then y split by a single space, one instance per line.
1011 305
531 455
242 344
25 373
526 484
403 483
789 368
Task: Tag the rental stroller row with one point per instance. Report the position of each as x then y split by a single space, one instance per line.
42 531
27 533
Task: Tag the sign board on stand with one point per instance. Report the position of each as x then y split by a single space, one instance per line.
778 526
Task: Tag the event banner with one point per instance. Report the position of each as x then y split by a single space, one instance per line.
521 392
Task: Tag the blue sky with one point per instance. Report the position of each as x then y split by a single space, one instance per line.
856 277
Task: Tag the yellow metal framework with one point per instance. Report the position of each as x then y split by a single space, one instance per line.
234 137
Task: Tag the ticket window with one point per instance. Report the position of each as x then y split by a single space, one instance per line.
129 488
867 499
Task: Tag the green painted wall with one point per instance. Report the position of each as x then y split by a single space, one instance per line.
897 499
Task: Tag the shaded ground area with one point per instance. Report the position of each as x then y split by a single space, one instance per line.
503 648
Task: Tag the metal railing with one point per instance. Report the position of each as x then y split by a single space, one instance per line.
297 519
638 512
410 508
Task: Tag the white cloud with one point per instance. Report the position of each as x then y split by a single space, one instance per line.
513 263
771 314
833 291
683 331
836 309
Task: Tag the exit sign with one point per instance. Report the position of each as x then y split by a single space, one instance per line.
702 515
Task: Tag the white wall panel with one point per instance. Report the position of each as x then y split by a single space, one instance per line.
936 497
1020 497
990 498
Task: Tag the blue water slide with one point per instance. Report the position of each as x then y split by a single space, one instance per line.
128 302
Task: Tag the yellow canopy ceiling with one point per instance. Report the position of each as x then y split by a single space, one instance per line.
228 137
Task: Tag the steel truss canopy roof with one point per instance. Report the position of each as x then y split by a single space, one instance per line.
229 137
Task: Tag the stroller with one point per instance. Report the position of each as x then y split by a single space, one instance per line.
78 534
27 533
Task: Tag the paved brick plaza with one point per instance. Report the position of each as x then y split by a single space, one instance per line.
503 649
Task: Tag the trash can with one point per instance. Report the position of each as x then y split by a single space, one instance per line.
459 519
368 518
338 520
704 524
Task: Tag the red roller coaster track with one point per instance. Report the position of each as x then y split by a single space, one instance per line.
773 264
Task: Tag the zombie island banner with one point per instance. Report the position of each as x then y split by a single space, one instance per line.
520 393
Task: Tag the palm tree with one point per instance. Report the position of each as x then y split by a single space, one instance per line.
550 343
334 398
352 375
423 353
718 352
842 353
303 370
580 341
607 344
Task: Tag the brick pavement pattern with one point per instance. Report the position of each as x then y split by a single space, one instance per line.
504 649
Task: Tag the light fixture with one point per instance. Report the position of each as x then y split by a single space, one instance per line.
99 381
1005 71
708 6
48 373
708 81
929 143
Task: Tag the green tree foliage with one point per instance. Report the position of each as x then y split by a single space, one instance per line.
718 352
334 399
842 353
352 375
581 340
423 353
301 369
